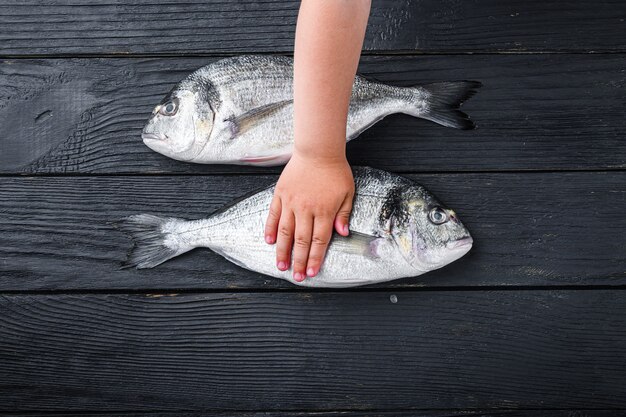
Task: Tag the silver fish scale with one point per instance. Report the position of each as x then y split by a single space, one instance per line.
244 83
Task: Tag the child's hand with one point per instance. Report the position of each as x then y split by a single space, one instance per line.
311 197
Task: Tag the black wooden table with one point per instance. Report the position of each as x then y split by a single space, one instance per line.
532 321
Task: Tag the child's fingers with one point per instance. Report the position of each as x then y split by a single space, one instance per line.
302 245
322 232
273 217
342 219
284 240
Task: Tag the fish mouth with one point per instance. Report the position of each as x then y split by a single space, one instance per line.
462 243
153 136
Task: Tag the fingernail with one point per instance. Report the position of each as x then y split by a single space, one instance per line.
310 272
298 277
345 229
282 265
268 239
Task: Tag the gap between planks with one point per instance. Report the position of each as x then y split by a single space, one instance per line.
156 292
258 171
290 53
433 412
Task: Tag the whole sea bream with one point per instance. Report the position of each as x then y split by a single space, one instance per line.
239 110
397 229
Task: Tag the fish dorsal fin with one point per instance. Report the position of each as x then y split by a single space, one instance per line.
357 244
248 120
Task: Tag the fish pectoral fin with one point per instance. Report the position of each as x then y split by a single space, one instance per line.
356 244
248 120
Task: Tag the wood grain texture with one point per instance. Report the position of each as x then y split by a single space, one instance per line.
529 229
218 26
314 351
203 337
394 413
534 112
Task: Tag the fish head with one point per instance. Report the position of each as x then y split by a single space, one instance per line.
428 234
180 125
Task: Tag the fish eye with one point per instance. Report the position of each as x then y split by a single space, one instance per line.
437 215
170 108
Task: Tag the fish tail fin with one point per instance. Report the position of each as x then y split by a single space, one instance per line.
443 101
152 242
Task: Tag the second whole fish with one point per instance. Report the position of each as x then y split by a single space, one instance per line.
397 229
239 110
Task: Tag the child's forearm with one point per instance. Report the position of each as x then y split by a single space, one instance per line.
329 38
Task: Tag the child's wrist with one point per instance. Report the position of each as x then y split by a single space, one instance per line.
320 156
326 151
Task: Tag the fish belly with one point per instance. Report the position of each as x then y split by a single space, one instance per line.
340 269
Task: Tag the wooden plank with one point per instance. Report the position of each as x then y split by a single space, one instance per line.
314 351
534 112
529 229
394 413
144 27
